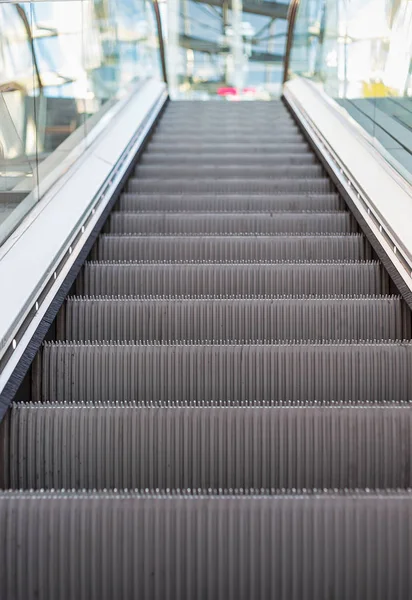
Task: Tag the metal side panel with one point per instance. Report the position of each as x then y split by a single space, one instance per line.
36 260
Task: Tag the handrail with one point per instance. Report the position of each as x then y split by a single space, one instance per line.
292 13
161 40
23 17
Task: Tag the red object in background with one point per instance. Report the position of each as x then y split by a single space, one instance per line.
231 91
227 91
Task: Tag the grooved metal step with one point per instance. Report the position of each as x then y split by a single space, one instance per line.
236 373
304 158
229 202
226 126
273 123
141 447
231 138
278 278
223 129
225 148
230 186
184 112
272 119
129 545
223 248
228 171
215 223
289 318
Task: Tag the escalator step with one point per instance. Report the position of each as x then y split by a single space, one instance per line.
226 126
196 108
184 113
329 278
138 447
232 186
229 547
226 148
219 223
305 158
200 106
234 373
229 138
230 202
233 247
201 171
196 115
289 318
221 128
199 117
232 111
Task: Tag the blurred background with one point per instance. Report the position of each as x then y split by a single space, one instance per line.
67 65
226 48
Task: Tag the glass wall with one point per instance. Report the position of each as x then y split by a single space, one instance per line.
360 52
64 64
231 49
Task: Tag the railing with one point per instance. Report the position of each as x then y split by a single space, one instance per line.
292 14
65 65
161 39
360 55
80 89
348 80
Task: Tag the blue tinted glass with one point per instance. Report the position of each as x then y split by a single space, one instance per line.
361 51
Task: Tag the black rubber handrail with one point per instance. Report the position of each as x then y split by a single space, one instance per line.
161 40
23 17
292 13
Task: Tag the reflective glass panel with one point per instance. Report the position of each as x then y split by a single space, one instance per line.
360 52
64 64
18 143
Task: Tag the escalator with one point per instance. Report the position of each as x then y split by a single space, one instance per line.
223 412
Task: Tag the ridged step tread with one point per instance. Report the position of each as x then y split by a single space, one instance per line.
227 126
232 186
289 318
201 171
278 278
230 109
235 373
139 447
201 118
304 158
226 148
197 115
129 247
229 202
242 117
232 112
222 128
220 223
231 547
230 138
231 121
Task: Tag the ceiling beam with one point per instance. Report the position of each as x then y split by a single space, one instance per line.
200 45
275 10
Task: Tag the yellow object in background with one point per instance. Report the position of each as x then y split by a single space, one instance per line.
377 90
